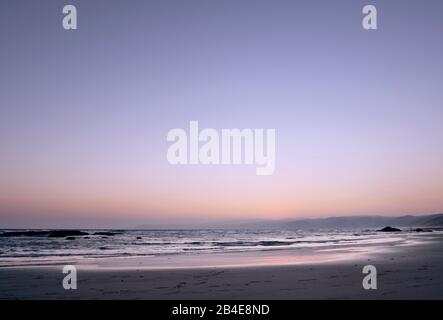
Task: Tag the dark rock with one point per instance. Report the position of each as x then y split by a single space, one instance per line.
139 238
103 233
422 230
66 233
389 229
44 233
86 237
70 238
25 234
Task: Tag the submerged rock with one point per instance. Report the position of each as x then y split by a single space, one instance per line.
25 234
105 233
422 230
389 229
66 233
44 233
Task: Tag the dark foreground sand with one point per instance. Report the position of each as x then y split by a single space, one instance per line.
408 272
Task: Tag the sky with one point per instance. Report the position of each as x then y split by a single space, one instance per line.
84 114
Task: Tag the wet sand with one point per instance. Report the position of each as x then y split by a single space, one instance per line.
405 272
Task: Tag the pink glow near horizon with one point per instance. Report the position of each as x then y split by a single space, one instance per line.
84 115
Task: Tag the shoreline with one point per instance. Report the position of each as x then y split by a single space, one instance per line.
265 256
256 258
406 272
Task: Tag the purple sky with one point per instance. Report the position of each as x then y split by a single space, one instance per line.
84 114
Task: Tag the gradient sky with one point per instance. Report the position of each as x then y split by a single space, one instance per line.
84 114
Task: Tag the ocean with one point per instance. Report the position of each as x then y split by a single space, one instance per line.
95 245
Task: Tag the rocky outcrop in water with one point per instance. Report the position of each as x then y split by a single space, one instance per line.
389 229
105 233
66 233
24 234
44 233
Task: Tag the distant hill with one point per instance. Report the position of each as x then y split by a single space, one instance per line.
354 222
433 221
351 222
368 222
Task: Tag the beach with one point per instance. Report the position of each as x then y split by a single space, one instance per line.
404 271
222 150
